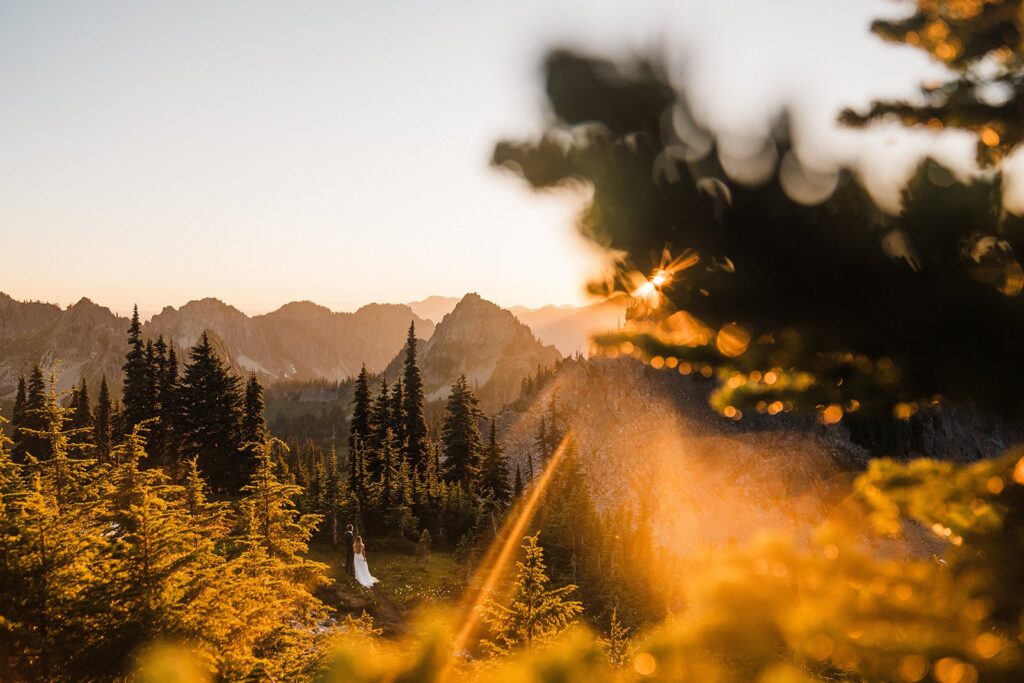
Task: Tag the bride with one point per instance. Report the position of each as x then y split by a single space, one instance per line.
362 570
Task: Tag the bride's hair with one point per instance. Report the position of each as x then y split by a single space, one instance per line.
359 543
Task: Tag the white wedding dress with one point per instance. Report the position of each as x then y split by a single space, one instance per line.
362 571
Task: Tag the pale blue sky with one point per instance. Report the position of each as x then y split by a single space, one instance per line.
264 152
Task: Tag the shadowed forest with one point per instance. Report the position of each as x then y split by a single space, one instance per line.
796 459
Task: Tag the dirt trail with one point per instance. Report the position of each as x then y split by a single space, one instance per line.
391 617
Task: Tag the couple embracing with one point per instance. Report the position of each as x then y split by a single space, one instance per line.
355 558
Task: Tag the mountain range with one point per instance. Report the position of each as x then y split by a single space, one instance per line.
304 341
299 341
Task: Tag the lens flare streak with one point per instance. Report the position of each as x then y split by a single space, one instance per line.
499 555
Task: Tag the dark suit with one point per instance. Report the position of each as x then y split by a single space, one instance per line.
348 540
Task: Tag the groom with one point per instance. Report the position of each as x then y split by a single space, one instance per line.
349 540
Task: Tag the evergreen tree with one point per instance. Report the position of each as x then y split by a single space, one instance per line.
276 522
137 392
555 433
18 415
260 618
979 43
170 409
102 423
254 424
48 565
616 645
460 435
153 368
540 442
81 416
534 612
388 483
517 486
380 425
65 472
160 429
415 423
336 497
157 558
568 517
397 412
360 428
33 419
407 523
494 471
210 405
116 423
211 517
357 468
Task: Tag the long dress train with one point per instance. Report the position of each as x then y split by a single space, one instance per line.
363 575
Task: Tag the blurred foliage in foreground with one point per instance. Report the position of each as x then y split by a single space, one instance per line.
836 610
982 43
755 261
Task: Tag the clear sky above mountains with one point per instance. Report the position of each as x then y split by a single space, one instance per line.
338 151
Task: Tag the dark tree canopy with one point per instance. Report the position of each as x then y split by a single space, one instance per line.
796 290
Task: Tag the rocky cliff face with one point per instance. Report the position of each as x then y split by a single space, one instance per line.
487 343
84 340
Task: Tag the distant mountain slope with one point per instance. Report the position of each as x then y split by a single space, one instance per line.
298 341
434 307
570 328
84 340
487 343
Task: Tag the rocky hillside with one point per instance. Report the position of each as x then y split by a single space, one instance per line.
488 344
653 429
84 340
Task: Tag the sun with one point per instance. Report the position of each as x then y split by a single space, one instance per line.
661 278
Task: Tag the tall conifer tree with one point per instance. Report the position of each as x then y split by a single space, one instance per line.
415 423
34 419
211 413
460 435
18 416
81 416
101 422
137 396
380 425
494 471
170 408
361 411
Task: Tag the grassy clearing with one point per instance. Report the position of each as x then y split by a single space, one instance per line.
405 580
